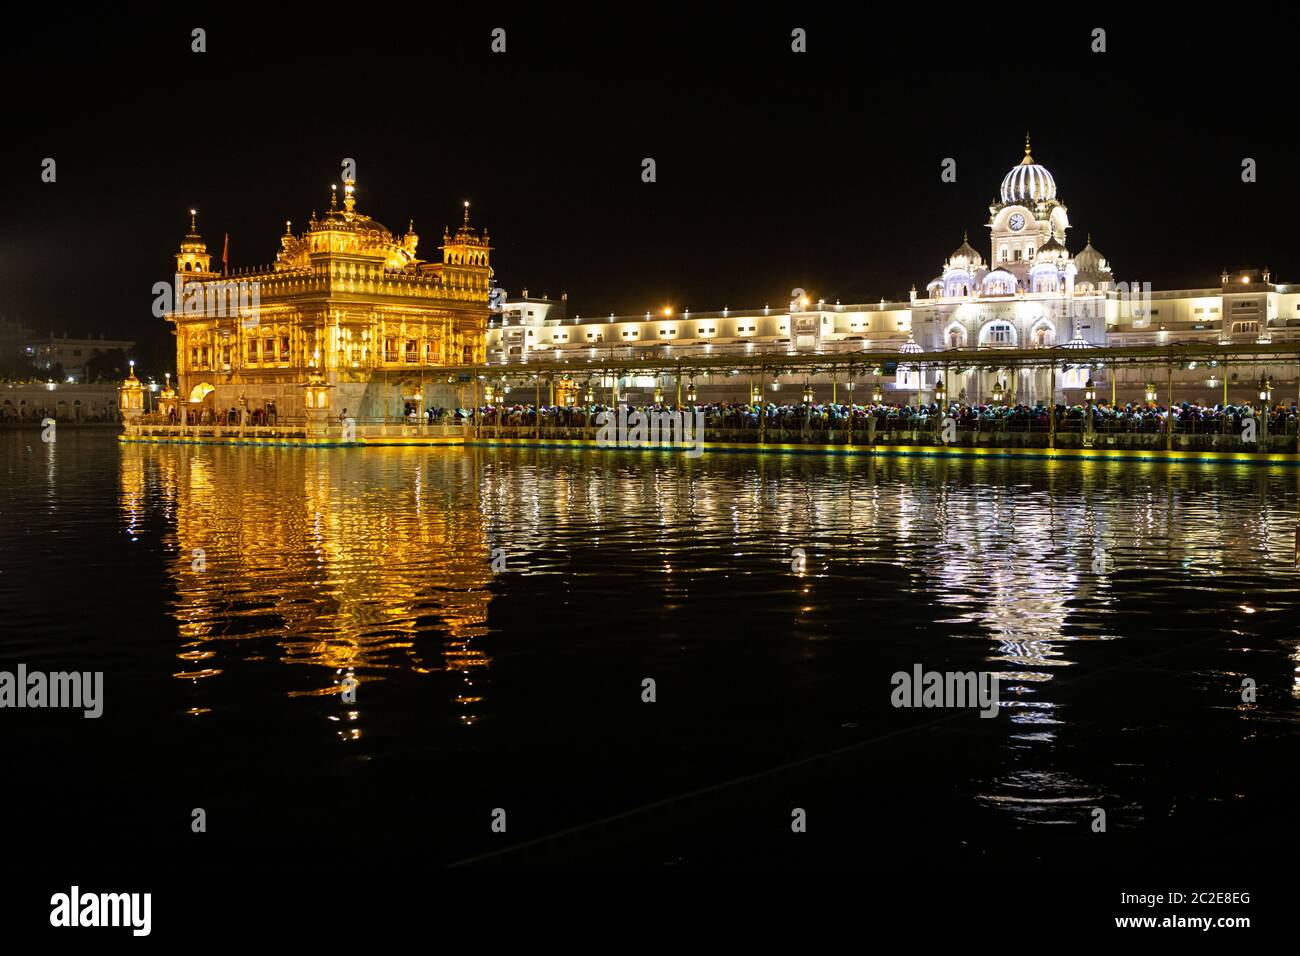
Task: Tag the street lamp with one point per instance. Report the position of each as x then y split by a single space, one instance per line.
1089 391
1151 392
998 391
940 392
659 395
807 394
690 393
589 396
1265 390
489 393
755 395
877 395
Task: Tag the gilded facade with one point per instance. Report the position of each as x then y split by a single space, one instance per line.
345 300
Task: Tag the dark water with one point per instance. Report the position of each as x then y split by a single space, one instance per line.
1123 604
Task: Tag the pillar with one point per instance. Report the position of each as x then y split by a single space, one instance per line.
1051 411
1169 416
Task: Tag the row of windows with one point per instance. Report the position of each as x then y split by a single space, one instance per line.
263 351
1001 333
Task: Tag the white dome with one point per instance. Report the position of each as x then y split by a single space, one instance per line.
1028 182
1090 261
965 255
1051 251
910 347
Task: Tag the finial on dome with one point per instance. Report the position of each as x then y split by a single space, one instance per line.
466 213
193 227
1089 238
965 236
334 196
1028 158
349 187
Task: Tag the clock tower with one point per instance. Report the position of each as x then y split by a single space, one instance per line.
1027 217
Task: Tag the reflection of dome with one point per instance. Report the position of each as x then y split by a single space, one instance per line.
1028 182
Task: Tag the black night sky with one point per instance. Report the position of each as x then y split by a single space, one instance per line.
775 170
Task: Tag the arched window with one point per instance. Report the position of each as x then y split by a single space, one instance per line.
997 333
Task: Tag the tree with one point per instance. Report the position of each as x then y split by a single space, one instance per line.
110 365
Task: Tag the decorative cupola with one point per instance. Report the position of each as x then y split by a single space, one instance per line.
1091 263
1028 183
466 248
964 256
193 256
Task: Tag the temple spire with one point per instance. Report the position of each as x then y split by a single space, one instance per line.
466 222
1028 158
349 188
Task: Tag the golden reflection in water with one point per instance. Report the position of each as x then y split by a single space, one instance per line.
349 564
341 558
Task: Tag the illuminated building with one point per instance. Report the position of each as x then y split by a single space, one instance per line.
346 299
1027 292
70 354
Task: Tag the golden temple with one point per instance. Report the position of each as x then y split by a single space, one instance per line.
347 306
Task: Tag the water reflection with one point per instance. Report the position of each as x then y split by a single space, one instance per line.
350 566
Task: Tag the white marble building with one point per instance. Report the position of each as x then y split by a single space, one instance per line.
1027 291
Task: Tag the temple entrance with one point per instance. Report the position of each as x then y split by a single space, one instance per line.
199 409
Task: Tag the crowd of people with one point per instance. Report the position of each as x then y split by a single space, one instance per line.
1187 417
1133 417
